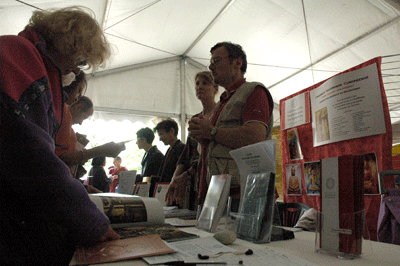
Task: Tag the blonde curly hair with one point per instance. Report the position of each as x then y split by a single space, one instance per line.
74 34
206 75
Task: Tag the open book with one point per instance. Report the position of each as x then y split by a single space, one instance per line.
140 223
127 210
133 216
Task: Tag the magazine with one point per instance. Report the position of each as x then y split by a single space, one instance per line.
127 210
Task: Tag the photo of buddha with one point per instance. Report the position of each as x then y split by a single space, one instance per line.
293 173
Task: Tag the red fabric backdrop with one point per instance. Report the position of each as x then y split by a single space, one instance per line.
381 145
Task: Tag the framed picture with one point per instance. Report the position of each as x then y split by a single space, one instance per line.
160 191
142 189
312 178
127 182
293 179
294 145
370 174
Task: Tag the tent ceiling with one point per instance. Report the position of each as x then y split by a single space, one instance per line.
290 44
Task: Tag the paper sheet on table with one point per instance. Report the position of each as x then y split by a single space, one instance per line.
187 250
177 222
254 159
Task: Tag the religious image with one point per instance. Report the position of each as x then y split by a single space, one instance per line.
370 174
322 125
124 210
397 182
294 145
312 177
293 179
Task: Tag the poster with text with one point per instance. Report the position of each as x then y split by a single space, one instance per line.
293 179
348 106
296 111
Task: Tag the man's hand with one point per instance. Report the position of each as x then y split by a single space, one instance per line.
176 189
110 235
200 128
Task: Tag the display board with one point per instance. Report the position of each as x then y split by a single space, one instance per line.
346 114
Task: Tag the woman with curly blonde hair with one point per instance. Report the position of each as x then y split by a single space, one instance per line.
44 213
73 37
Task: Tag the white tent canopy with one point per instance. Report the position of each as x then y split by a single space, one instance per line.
159 45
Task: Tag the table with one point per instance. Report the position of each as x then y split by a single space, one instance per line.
303 246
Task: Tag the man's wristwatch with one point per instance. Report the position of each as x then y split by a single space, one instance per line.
213 133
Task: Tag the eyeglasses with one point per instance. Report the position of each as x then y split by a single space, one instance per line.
82 64
216 60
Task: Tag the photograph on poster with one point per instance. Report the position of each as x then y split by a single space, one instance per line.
312 177
397 182
293 179
294 145
348 106
322 124
370 174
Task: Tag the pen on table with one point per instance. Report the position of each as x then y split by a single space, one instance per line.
182 263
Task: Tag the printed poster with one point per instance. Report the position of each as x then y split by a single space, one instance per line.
296 111
294 145
348 106
293 179
312 178
370 174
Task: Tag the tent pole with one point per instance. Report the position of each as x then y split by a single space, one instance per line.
182 115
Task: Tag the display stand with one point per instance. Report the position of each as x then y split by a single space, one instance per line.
257 209
340 242
215 203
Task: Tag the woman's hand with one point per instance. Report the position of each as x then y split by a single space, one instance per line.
110 235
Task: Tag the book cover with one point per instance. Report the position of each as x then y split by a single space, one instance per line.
214 203
342 204
160 191
127 182
123 249
142 189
